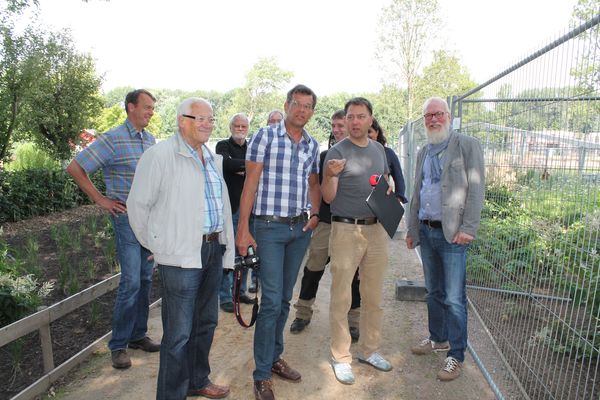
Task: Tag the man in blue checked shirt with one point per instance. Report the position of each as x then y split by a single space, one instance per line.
281 188
179 208
117 153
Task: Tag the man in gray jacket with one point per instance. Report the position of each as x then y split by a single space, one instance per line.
179 209
444 218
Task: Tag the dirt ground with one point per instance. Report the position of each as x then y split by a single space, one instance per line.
405 323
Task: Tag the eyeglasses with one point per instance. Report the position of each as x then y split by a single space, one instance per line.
305 107
437 115
200 119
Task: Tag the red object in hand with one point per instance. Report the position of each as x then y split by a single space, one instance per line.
374 179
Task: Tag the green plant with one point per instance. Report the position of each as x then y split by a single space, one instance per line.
94 313
29 156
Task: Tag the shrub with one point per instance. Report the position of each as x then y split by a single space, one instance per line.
29 156
34 192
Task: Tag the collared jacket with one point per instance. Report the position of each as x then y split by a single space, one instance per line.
463 188
166 205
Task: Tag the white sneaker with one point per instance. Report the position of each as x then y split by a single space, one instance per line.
377 361
343 372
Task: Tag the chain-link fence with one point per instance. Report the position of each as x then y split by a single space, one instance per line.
534 271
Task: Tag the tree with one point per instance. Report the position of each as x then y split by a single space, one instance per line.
65 96
405 27
260 94
48 92
587 71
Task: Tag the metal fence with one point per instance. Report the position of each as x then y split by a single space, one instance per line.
534 271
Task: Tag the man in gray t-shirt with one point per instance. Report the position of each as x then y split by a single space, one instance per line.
356 238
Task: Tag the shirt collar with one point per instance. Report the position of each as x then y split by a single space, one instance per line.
132 131
280 131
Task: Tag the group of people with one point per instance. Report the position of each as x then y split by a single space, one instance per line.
190 210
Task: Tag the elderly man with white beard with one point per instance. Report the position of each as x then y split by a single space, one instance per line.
444 217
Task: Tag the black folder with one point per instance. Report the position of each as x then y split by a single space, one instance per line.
387 208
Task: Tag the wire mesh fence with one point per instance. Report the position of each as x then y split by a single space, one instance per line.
533 273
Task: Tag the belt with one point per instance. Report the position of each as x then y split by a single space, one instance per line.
432 224
210 237
284 220
356 221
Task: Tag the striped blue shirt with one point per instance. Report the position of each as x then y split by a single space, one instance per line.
213 191
283 185
117 153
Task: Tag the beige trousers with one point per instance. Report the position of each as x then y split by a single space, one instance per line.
350 246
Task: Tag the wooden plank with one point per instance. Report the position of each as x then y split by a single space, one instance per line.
40 386
47 353
35 321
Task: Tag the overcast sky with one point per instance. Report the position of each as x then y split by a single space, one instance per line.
328 44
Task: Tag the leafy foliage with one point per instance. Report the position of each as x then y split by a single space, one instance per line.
29 193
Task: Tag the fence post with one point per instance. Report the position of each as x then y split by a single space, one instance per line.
46 342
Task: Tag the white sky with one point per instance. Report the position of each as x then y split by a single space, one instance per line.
328 44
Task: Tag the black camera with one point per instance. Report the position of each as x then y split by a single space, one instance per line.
249 261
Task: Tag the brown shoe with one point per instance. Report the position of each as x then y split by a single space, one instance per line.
211 391
281 368
451 370
120 359
263 390
145 344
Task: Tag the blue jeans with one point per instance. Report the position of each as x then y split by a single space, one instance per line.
444 266
190 312
281 248
226 289
130 313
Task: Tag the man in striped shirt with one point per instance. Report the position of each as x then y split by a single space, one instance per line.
281 188
117 153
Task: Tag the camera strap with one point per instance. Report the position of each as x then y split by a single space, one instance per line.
237 284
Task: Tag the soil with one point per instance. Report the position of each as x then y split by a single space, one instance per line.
21 361
232 361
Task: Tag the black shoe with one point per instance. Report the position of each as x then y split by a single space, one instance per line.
120 359
145 344
245 299
298 325
354 334
227 307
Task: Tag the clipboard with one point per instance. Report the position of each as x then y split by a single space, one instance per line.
386 208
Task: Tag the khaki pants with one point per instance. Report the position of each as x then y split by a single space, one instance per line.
350 246
316 261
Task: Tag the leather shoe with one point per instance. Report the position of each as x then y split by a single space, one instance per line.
227 307
263 390
245 299
145 344
298 325
120 359
281 368
211 391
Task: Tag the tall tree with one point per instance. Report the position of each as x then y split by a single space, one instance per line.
587 71
405 27
64 98
261 92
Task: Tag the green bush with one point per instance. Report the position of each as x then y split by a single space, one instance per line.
29 156
35 192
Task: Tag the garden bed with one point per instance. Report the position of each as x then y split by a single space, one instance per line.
73 250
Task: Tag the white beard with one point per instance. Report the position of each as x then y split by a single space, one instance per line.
437 137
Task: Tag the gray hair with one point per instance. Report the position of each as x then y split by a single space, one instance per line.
273 113
186 105
236 116
436 100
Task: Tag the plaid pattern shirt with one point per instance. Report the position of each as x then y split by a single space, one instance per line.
283 185
213 191
117 153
